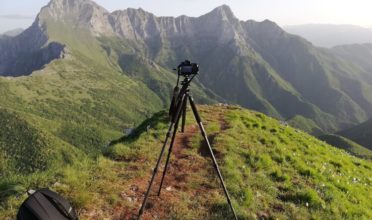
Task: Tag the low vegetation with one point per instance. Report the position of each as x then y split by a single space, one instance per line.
271 170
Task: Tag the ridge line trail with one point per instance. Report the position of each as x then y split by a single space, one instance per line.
190 175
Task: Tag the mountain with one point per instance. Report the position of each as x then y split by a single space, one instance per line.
348 145
359 54
330 35
271 171
80 76
361 134
13 33
253 64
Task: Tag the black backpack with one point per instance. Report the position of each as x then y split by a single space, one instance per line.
46 205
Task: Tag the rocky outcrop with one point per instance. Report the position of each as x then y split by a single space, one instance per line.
78 13
27 52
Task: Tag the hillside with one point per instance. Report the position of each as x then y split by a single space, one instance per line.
359 54
22 148
330 35
253 64
348 145
361 134
271 170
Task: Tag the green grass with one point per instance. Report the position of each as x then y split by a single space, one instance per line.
348 145
271 171
290 169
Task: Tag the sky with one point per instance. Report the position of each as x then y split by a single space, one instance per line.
21 13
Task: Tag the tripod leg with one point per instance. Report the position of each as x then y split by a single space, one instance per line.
204 134
171 145
159 159
154 172
184 116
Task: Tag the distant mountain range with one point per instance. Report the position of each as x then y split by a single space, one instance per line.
330 35
254 64
13 33
359 54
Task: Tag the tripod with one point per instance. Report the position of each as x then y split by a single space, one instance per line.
178 108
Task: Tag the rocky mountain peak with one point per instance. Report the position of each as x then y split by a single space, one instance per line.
224 12
82 13
67 5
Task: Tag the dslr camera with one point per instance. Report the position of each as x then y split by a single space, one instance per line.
186 68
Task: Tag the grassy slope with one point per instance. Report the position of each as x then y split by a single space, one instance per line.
305 124
348 145
29 156
26 149
63 115
82 95
361 134
271 170
358 53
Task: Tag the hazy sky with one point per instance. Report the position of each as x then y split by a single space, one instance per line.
21 13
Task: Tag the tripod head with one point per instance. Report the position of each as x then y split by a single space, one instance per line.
187 70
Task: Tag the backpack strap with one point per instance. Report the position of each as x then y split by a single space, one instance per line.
61 203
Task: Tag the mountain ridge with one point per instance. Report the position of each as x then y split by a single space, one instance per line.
284 75
330 35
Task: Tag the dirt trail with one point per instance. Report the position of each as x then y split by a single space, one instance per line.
181 168
203 148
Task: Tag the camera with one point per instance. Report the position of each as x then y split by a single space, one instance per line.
186 68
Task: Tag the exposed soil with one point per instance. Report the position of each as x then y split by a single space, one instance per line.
176 178
203 149
181 168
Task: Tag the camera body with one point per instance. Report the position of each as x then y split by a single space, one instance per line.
186 68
